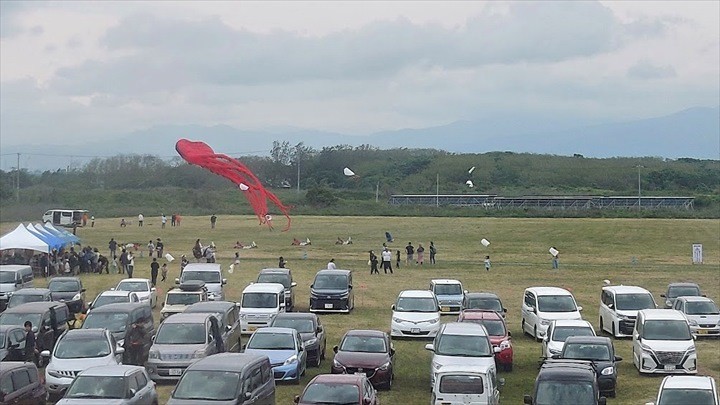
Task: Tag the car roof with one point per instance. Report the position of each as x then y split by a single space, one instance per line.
482 295
85 332
463 328
595 340
339 379
115 370
416 294
13 267
264 287
548 291
662 314
337 271
234 362
34 307
688 298
117 293
134 280
203 267
626 289
296 315
209 306
445 281
572 322
566 370
276 329
59 278
702 382
32 291
465 368
481 314
275 271
365 332
183 317
119 307
683 284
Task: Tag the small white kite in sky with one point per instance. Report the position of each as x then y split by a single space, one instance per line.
470 183
471 170
485 242
348 172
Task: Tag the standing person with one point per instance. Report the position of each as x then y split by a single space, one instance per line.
373 263
387 260
163 221
197 250
236 262
159 247
172 219
331 265
281 262
213 220
164 271
151 248
555 259
433 252
103 263
177 219
183 262
410 251
420 254
92 221
210 253
131 264
141 219
133 344
487 263
30 343
123 262
397 259
113 248
154 267
84 219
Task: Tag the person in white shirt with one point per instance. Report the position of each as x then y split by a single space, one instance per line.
386 256
141 218
331 265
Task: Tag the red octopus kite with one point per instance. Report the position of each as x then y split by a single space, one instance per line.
200 154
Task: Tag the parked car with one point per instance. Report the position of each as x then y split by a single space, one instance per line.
366 351
460 385
49 320
311 331
662 343
228 315
450 295
559 330
178 299
284 348
461 344
259 304
338 389
498 332
12 343
70 291
565 382
675 290
77 350
226 378
140 286
484 300
682 389
415 314
600 351
13 277
113 297
284 277
618 308
332 291
208 273
118 319
20 384
702 315
180 340
542 305
29 295
116 384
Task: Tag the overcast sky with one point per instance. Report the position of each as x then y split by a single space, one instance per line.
69 70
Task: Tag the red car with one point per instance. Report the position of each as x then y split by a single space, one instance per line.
338 389
366 351
497 331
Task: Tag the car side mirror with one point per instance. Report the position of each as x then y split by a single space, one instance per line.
153 289
335 349
350 286
319 329
224 281
579 308
527 399
505 310
228 327
509 333
531 309
152 338
177 281
602 401
82 290
312 285
293 284
618 358
112 288
663 295
45 353
247 396
430 347
555 356
610 305
162 303
465 291
392 307
119 350
496 349
132 392
392 351
296 399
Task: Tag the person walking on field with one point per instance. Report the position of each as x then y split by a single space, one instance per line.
133 344
331 265
113 248
163 221
154 267
387 260
397 260
131 264
410 251
420 254
141 219
373 263
30 343
164 271
213 220
487 263
159 247
433 251
151 248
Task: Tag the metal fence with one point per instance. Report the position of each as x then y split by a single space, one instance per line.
489 201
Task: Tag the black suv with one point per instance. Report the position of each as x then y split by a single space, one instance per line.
20 384
600 351
332 291
70 291
565 382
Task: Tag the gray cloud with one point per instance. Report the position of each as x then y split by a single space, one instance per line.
645 70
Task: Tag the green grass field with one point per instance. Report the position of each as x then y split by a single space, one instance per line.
648 253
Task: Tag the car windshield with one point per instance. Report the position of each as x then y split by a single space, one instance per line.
675 396
666 330
7 277
406 304
633 302
181 334
494 327
365 344
134 286
259 300
330 282
461 384
300 325
585 351
82 347
272 341
701 308
208 385
484 303
182 298
64 286
283 279
114 322
683 291
19 319
206 276
463 345
556 303
328 393
561 333
97 387
18 299
109 299
448 289
557 392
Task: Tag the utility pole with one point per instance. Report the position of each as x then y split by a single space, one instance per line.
639 190
17 178
437 190
297 160
377 191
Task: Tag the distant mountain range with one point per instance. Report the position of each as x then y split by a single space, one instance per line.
693 133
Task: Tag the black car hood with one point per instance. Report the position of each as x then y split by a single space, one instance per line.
329 293
64 296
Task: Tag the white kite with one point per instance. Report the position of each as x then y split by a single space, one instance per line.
485 242
553 251
169 257
471 170
470 183
348 172
243 187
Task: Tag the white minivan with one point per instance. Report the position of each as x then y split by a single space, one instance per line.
210 274
619 305
259 304
662 343
463 384
542 305
13 277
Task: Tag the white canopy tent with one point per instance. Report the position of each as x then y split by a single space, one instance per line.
21 238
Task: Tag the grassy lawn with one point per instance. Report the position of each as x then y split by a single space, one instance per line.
648 253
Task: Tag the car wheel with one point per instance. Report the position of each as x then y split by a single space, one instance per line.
390 382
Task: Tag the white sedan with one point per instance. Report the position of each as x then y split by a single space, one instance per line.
113 297
142 287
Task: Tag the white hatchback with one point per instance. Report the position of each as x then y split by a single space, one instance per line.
415 314
542 305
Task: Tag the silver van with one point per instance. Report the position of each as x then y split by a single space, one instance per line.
210 274
13 277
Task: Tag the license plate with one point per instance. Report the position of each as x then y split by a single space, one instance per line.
444 309
702 332
328 306
669 367
415 330
175 371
